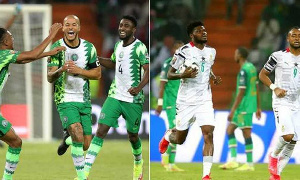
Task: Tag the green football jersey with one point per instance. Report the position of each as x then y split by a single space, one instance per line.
69 87
247 79
6 57
171 87
129 71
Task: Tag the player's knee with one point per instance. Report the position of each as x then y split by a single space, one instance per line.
133 138
208 138
16 143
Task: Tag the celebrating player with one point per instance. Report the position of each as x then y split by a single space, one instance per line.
286 89
194 99
70 72
7 56
245 104
167 100
125 96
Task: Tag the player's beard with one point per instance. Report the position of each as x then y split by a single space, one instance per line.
200 41
295 47
71 40
126 37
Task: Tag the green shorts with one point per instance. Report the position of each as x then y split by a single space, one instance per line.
4 126
73 112
242 120
112 109
171 113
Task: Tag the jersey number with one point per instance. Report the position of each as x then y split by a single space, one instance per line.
120 69
202 67
295 72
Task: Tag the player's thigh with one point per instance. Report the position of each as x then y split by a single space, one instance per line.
69 114
5 126
184 116
11 138
86 120
243 120
110 112
132 113
296 123
284 122
171 113
205 115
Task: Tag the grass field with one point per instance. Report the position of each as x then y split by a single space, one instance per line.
193 171
39 161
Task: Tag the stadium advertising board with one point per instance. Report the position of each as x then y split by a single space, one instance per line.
264 136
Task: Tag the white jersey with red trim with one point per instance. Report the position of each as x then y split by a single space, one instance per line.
196 90
287 77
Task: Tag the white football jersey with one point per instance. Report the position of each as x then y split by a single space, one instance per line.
286 66
196 90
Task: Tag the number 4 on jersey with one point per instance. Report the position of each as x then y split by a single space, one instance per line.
120 69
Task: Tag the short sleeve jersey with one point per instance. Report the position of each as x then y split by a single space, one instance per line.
129 71
287 77
69 87
193 91
247 79
6 57
171 87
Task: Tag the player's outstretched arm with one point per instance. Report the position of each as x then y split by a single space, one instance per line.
135 90
106 62
34 54
49 53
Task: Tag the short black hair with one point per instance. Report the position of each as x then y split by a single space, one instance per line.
243 52
131 18
3 31
192 25
294 27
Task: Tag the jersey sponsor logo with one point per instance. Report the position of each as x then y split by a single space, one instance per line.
74 57
4 123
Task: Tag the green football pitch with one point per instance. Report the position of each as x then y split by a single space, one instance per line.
39 161
193 171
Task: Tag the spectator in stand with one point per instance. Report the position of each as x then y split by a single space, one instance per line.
229 4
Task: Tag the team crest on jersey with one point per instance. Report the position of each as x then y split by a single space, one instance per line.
4 123
74 57
65 119
102 116
121 55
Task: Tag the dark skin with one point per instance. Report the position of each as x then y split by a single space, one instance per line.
11 138
293 39
71 29
231 127
126 34
199 38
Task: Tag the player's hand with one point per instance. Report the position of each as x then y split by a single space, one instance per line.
54 29
57 50
280 92
230 116
217 80
158 110
258 114
134 91
189 72
72 68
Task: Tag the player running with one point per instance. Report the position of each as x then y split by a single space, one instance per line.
7 56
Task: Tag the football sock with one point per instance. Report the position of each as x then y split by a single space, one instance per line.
78 159
279 146
207 163
232 146
137 151
172 153
12 159
249 149
92 153
285 156
68 140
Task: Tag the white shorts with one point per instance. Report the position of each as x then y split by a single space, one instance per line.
287 121
202 114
